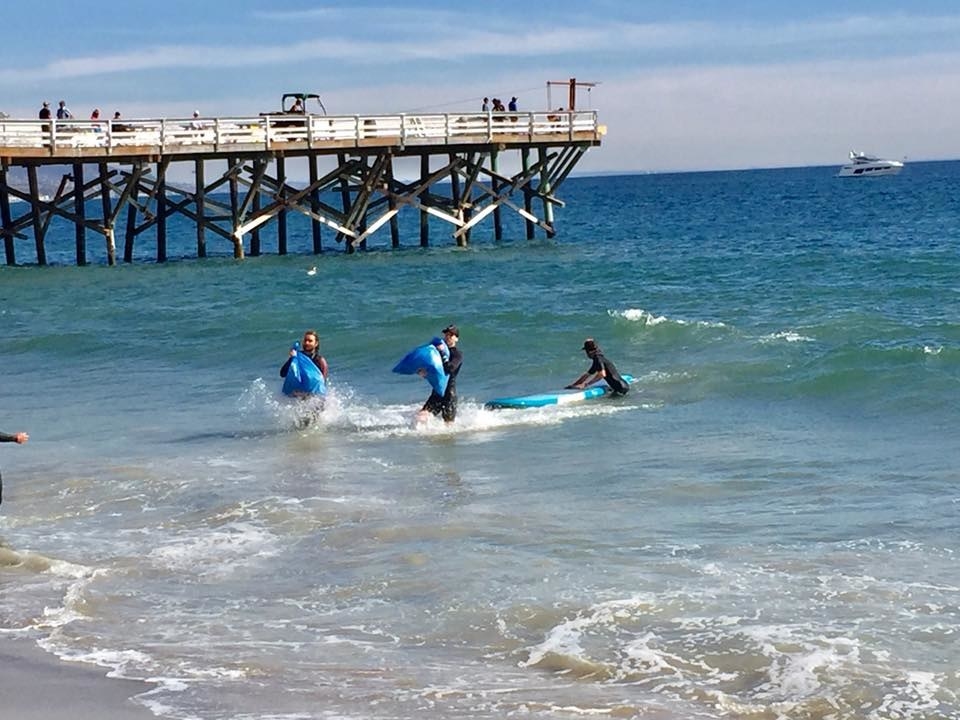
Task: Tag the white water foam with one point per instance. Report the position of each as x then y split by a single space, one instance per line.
648 318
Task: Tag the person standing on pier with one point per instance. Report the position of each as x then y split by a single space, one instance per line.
446 405
20 438
62 112
45 114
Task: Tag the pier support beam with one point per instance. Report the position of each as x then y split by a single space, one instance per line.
282 213
424 218
527 196
38 225
6 221
161 200
315 205
79 209
105 205
497 222
200 199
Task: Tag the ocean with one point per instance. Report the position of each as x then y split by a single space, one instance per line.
765 527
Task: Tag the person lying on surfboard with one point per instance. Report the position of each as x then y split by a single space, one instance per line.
601 369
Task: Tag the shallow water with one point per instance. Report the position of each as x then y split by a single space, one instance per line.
765 527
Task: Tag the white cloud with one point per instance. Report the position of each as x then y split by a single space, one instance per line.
446 35
786 115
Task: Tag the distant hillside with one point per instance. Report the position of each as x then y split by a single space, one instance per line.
48 178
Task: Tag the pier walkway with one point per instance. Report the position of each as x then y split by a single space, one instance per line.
127 163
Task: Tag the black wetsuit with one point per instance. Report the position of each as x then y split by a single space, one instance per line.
616 383
446 405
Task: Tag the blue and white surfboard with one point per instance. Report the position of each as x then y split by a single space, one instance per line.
563 397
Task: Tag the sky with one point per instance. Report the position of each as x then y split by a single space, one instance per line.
680 85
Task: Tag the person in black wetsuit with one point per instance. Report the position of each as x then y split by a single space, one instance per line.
309 346
446 405
600 369
20 438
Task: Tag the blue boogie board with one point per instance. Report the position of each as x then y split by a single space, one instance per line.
563 397
303 376
428 358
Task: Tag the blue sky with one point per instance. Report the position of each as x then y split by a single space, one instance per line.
682 85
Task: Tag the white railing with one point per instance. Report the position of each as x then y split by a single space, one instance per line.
179 135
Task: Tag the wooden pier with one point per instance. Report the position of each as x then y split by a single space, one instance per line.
240 167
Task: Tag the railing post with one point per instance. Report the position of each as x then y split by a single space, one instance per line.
403 129
216 134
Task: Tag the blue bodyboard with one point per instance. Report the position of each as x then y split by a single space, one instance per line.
561 397
428 358
303 376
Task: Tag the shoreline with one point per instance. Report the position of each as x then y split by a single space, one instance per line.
43 687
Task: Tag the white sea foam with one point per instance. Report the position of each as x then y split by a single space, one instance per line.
564 639
789 336
648 318
215 552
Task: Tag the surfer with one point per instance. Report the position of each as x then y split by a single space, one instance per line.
20 438
309 346
446 405
314 399
600 369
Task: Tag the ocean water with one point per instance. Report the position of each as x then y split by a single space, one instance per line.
765 527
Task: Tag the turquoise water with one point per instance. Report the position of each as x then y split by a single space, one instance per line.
765 528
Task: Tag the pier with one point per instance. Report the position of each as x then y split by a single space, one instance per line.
114 179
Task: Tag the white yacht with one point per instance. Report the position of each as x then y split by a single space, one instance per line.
863 165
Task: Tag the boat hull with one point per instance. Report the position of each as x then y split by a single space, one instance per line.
869 171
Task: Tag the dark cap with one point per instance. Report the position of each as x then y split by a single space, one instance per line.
589 344
452 329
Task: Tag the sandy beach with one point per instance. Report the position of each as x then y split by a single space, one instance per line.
38 686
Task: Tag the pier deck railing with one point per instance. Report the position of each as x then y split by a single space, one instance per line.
189 136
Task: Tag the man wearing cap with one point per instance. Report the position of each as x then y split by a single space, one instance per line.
601 369
446 405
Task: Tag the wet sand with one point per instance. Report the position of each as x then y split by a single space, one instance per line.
37 686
